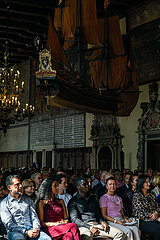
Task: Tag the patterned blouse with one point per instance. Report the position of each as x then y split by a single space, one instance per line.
143 207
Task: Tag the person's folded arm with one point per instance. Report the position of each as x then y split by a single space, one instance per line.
74 216
140 210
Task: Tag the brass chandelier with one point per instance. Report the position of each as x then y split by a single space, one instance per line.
11 90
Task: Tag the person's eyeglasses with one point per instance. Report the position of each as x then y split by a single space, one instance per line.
31 186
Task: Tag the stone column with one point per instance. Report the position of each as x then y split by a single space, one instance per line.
43 158
34 155
53 158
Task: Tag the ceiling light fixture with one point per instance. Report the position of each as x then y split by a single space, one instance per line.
11 91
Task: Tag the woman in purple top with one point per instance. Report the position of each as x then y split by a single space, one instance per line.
112 210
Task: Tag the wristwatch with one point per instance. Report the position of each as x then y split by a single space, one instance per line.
91 227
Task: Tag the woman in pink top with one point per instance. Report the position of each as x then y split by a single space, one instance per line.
112 210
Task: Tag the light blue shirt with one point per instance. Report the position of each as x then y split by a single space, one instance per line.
66 197
19 215
103 184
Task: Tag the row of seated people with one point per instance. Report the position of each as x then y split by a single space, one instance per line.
20 219
19 216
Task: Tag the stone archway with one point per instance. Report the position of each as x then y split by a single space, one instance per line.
106 137
105 158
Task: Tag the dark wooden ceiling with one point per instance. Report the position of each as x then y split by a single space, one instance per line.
21 21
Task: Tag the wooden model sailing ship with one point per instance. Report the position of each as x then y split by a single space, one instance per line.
92 69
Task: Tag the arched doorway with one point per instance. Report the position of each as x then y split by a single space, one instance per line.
105 158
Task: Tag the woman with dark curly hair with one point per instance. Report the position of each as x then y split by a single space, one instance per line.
145 208
52 212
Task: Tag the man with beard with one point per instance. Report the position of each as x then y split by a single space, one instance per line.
18 214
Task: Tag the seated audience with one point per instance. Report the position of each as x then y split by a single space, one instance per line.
133 182
28 189
100 188
145 208
52 212
140 172
62 187
87 171
84 210
37 178
45 174
92 173
126 194
2 191
89 180
106 176
112 210
155 183
18 214
95 178
149 173
158 189
2 196
118 178
71 175
35 164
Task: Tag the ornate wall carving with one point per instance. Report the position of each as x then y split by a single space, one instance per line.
105 132
149 123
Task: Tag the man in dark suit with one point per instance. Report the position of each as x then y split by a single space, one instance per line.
100 188
126 194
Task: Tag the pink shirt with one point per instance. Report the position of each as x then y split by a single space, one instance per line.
113 204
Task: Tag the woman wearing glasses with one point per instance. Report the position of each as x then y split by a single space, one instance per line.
28 189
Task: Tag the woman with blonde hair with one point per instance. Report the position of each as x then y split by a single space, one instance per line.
28 189
156 184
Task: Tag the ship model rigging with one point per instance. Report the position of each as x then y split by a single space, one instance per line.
85 67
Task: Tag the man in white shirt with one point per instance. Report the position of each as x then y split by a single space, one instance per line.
62 180
18 214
